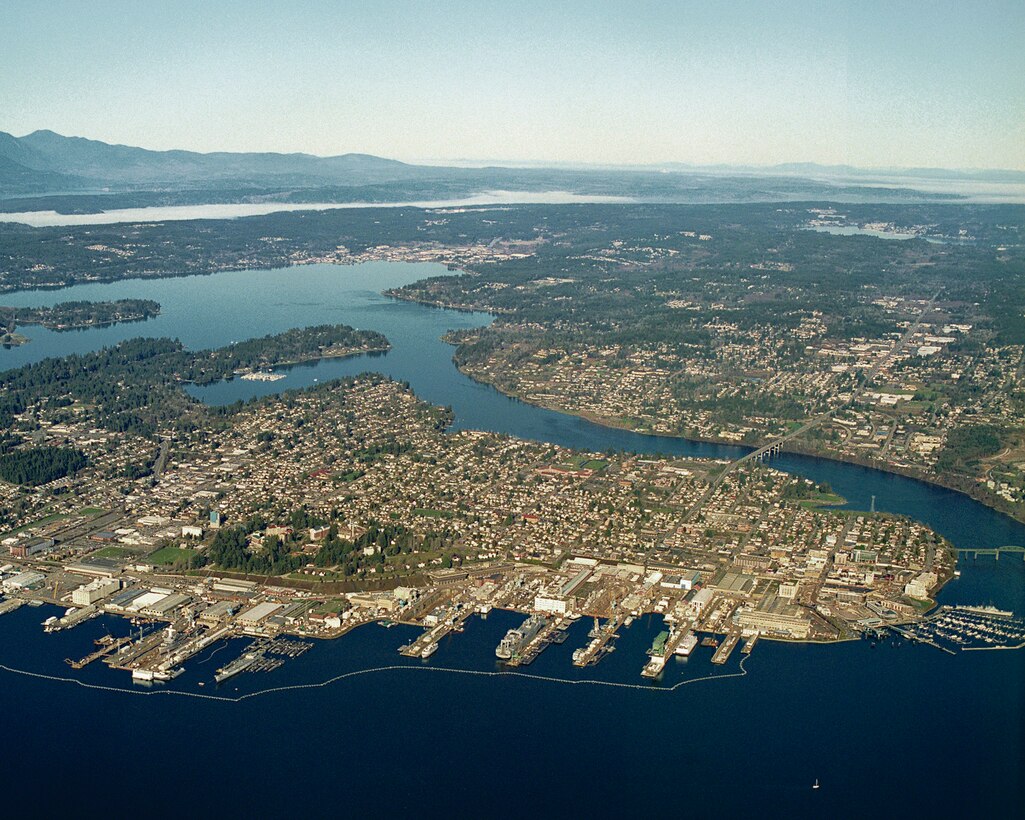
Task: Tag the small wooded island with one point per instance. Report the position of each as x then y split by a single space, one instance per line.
73 316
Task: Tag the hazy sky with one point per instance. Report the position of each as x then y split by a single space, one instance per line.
867 83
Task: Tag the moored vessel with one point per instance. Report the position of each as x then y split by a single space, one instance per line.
516 640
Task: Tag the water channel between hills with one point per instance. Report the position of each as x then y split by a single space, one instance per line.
844 713
212 311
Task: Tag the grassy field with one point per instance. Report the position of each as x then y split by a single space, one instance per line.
114 552
38 522
168 555
824 500
330 607
582 462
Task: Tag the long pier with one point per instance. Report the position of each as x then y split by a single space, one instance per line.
106 648
911 636
540 642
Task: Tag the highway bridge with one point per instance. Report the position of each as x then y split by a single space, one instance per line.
975 552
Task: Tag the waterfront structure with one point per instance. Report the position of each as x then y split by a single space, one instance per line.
95 590
776 623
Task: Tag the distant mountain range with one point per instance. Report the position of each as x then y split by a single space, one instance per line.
53 166
45 161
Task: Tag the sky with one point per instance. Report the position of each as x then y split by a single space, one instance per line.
936 84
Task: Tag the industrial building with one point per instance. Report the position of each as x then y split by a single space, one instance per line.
556 606
231 586
215 613
99 567
576 581
700 601
23 580
778 623
788 589
686 581
166 604
36 546
121 601
256 614
94 591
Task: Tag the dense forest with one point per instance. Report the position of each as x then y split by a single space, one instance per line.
966 445
231 549
40 465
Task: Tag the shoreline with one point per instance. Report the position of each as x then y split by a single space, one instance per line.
395 293
240 373
92 325
788 446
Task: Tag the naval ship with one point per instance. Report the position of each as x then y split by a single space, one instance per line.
517 639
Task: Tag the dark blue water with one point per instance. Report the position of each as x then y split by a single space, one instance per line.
891 730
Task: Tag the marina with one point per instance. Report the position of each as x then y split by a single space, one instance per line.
965 627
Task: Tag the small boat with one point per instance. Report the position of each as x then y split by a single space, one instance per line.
816 785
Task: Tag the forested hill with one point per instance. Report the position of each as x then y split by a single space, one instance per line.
136 386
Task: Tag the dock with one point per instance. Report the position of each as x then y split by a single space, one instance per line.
72 619
664 648
725 649
545 638
263 655
106 646
912 636
598 647
422 646
10 605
